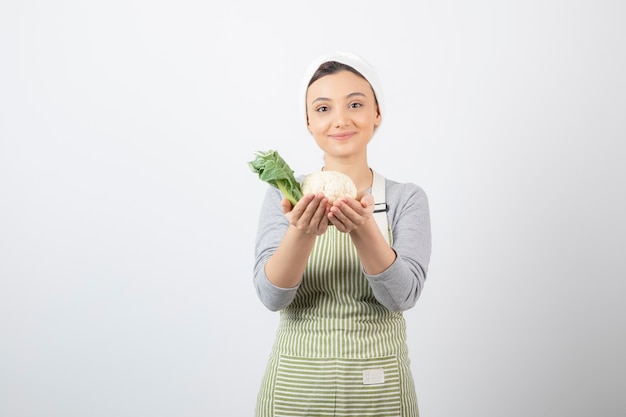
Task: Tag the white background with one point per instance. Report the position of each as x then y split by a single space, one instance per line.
128 213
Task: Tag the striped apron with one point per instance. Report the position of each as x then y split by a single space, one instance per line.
338 352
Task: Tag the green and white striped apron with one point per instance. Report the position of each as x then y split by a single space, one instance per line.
338 352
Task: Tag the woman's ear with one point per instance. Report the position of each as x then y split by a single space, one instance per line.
379 118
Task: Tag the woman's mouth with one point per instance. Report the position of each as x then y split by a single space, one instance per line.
342 135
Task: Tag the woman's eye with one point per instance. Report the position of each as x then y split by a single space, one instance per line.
355 105
322 109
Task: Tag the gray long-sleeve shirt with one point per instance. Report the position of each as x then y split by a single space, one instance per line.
398 287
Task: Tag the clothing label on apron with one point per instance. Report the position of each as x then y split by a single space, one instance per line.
374 376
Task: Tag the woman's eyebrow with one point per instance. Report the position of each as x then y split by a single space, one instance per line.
320 99
355 94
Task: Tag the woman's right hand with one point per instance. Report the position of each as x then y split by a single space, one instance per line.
310 215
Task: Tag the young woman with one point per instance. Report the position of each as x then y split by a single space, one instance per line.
341 274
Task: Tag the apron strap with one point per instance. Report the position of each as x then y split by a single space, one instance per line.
380 205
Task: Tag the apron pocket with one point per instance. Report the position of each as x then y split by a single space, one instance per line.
337 387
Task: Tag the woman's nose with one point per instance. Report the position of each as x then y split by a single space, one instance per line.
341 118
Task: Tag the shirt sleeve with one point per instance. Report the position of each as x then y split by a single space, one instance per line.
272 226
399 286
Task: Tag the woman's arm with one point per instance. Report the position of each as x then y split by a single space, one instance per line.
285 238
396 274
399 286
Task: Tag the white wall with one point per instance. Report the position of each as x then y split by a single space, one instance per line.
127 211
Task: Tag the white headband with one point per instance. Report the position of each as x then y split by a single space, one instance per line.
347 58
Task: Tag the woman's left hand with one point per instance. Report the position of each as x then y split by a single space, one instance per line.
347 214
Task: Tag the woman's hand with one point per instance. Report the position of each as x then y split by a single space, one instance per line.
310 215
347 214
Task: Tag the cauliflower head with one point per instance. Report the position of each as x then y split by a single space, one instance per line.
333 184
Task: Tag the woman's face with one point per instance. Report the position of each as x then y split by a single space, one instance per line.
342 114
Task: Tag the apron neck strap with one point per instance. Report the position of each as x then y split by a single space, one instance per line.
380 205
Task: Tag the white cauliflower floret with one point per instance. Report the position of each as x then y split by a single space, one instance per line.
333 184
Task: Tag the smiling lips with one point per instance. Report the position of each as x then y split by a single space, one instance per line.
343 135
